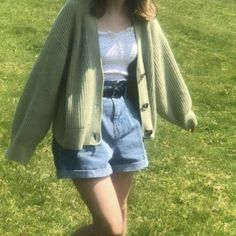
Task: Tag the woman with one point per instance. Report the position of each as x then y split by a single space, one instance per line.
103 74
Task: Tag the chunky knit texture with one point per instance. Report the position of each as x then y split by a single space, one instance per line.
65 85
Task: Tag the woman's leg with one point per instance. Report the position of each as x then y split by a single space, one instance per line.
122 183
100 197
106 199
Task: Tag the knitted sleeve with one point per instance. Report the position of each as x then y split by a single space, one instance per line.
37 103
173 101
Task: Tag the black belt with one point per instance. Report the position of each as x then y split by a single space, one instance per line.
115 89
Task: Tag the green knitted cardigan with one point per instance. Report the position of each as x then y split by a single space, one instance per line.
65 85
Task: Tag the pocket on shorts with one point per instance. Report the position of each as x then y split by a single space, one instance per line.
133 112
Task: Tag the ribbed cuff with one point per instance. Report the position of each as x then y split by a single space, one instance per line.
19 154
190 121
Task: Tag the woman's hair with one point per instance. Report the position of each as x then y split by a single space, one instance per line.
144 9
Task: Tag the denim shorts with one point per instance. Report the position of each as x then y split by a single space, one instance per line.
120 150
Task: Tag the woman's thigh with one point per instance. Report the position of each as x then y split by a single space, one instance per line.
101 199
122 182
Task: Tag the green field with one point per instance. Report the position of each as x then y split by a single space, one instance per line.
189 188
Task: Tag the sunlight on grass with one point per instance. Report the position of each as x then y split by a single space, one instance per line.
189 187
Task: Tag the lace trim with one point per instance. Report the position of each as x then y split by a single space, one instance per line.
130 28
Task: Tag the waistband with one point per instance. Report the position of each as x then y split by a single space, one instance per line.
115 88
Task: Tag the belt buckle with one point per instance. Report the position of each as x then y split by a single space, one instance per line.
115 93
120 84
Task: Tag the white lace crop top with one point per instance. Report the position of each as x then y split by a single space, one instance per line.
117 51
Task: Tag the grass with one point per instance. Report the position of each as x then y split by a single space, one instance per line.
189 188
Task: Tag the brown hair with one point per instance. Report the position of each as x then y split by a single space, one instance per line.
144 9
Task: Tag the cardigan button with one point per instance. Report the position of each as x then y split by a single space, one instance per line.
145 106
148 132
143 75
96 136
